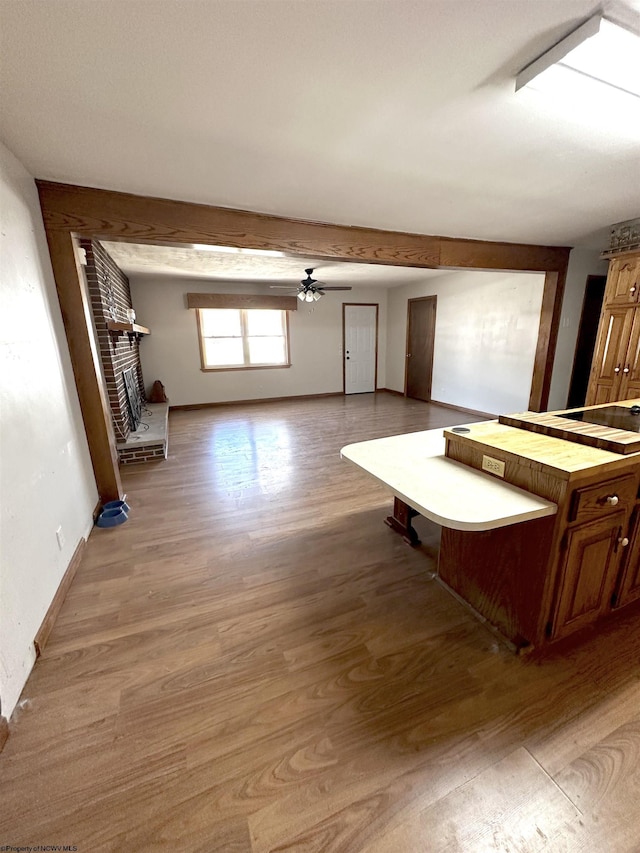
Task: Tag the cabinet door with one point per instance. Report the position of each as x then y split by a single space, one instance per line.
623 282
629 588
588 574
629 392
631 367
611 351
600 393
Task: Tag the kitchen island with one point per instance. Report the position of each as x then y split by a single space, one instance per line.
540 533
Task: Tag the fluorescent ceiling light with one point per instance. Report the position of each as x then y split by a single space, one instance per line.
233 250
597 52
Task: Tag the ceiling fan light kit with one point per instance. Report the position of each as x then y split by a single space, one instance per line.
310 289
310 295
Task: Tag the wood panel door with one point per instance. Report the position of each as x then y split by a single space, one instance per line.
631 369
624 281
360 333
421 331
611 355
588 574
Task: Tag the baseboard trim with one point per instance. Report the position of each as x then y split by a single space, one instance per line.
486 415
4 732
96 511
42 634
391 391
443 405
191 406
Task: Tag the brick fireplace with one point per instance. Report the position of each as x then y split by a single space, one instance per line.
110 296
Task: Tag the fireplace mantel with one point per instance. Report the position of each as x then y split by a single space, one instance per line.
119 328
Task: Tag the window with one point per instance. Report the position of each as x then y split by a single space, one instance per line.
235 338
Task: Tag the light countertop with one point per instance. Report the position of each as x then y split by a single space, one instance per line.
414 468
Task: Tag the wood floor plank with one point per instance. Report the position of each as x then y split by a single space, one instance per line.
511 806
607 773
558 749
255 662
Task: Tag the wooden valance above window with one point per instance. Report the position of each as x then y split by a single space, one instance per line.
242 300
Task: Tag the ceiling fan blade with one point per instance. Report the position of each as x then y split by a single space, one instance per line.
319 287
282 287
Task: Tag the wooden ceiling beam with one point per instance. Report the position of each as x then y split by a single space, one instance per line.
70 211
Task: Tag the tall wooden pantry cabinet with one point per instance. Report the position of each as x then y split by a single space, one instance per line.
615 370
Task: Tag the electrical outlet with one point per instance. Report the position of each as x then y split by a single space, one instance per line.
60 537
493 466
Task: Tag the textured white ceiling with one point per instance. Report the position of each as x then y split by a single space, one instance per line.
137 259
396 114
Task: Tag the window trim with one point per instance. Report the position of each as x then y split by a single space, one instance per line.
207 369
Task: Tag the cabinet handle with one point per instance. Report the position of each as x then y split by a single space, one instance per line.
613 500
616 369
632 289
623 542
626 370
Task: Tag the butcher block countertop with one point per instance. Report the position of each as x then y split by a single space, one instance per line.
582 431
557 456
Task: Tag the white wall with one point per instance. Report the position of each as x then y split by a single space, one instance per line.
46 478
486 333
582 263
171 353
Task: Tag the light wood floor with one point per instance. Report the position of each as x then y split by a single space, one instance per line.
255 662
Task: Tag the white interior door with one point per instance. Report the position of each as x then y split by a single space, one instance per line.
360 348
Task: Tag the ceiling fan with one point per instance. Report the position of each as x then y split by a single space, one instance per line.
309 289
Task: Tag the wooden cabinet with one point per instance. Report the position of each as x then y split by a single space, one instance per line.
593 547
623 281
541 581
616 365
591 503
629 587
588 573
615 370
599 556
630 385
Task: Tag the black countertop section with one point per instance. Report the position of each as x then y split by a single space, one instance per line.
617 417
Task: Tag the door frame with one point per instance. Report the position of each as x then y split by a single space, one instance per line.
592 281
70 211
344 337
406 346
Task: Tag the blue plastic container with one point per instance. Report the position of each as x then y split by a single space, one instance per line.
111 517
116 505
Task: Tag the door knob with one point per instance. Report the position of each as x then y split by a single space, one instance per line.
408 355
623 542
